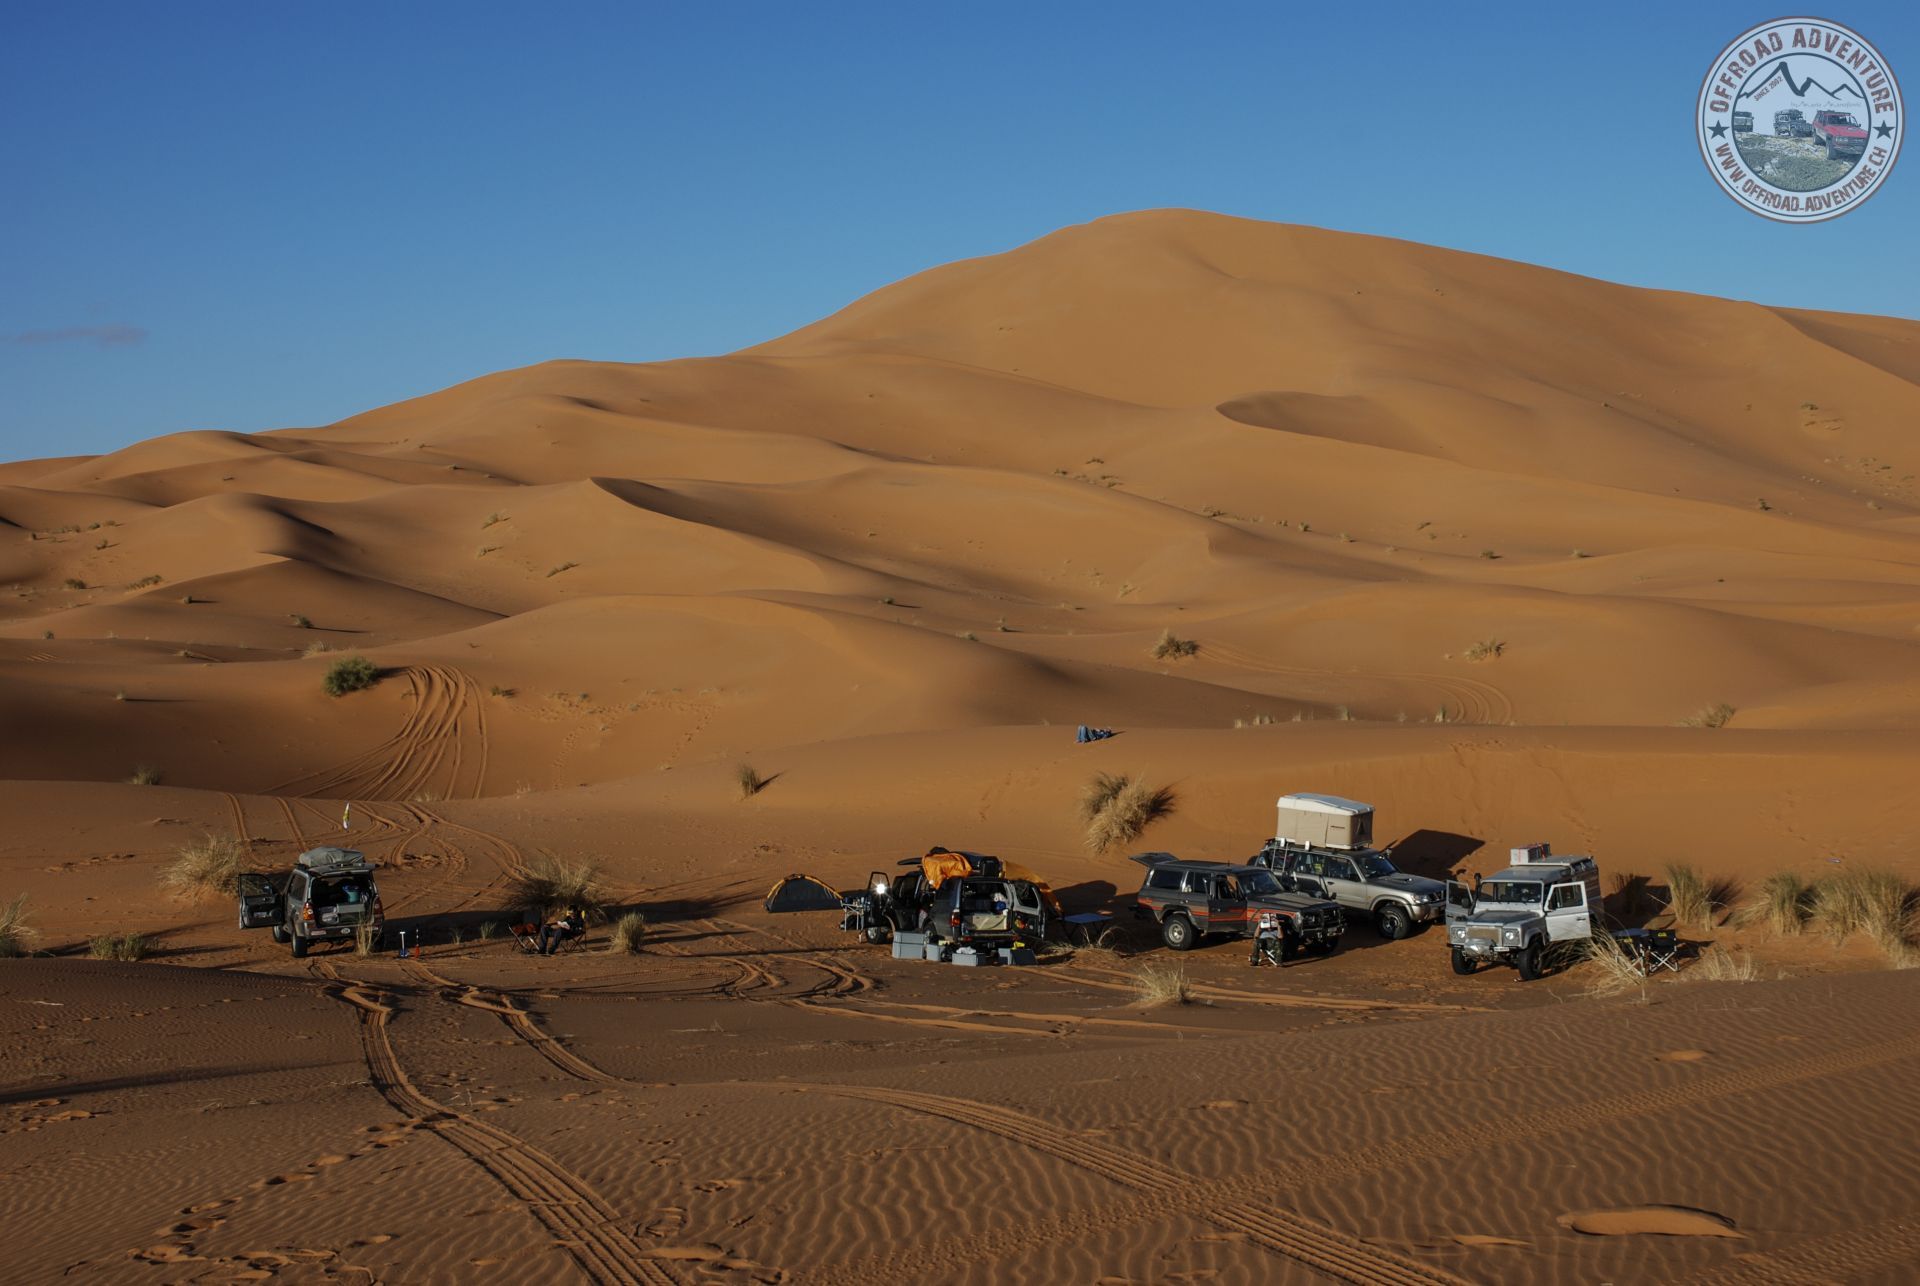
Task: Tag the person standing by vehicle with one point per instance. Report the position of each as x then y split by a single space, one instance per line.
1267 941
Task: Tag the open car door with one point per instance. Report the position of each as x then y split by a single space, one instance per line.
802 893
261 904
1459 900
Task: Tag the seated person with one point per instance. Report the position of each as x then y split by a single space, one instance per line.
570 923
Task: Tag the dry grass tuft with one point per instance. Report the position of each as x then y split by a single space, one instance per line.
1714 716
120 946
16 935
365 940
144 775
749 781
1716 964
1116 809
1170 647
629 934
544 885
1878 904
1161 982
489 930
1784 903
1486 650
211 864
1692 899
1613 970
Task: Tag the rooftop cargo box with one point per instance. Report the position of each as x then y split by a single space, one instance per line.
1325 821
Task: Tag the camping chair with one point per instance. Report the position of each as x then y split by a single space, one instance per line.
1660 949
526 937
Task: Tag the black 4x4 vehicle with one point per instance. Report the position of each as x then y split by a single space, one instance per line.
327 897
952 896
1193 899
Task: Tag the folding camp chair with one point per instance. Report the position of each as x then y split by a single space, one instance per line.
527 938
1660 949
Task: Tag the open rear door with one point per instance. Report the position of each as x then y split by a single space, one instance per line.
260 901
802 893
1459 900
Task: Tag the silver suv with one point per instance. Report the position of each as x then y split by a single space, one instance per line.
327 897
1363 881
1526 911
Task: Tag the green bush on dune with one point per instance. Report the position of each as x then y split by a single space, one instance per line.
350 674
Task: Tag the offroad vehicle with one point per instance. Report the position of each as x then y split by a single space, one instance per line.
1791 124
1839 133
1539 904
955 898
1743 122
1190 900
327 896
1323 848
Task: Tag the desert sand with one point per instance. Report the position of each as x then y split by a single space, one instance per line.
1470 540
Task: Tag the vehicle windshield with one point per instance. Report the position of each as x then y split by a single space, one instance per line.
1839 118
1527 891
342 890
1375 865
1259 884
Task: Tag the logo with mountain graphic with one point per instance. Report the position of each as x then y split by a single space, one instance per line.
1800 119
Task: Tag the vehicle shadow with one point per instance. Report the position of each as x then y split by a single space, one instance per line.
1434 854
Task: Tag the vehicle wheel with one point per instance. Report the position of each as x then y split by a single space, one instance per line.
1290 948
280 934
299 947
1178 933
1528 962
1324 947
877 933
1393 923
1461 964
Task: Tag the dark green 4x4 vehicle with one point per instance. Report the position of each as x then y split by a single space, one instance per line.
328 896
1190 900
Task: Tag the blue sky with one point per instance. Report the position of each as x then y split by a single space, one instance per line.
250 216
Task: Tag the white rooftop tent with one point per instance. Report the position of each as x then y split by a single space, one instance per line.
1325 821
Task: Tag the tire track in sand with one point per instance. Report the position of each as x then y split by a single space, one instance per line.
1306 1241
580 1221
443 701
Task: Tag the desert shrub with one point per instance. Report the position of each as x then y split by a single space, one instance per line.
299 622
350 674
1171 647
1878 904
16 935
749 781
1690 898
1611 970
74 582
491 519
629 933
1161 982
1713 716
1719 965
544 884
144 775
1783 903
1116 809
1486 650
211 864
120 946
365 938
144 582
489 930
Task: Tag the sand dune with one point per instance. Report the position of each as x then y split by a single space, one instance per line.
1466 538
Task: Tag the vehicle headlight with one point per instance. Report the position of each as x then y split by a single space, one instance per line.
1457 932
1510 935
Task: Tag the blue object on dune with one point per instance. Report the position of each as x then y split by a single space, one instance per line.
1086 734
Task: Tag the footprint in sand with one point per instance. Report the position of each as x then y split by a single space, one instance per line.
1681 1056
1651 1221
719 1185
